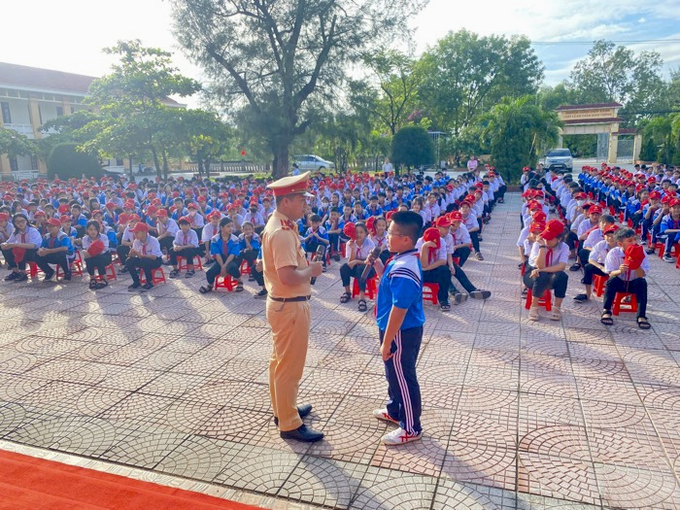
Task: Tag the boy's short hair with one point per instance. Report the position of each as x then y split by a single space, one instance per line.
624 233
374 197
315 218
607 218
225 221
247 223
410 223
334 209
183 221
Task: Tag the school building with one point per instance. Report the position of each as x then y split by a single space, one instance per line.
29 97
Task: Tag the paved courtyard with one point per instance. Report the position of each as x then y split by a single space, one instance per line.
170 386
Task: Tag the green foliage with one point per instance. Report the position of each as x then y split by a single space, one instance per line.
412 146
66 161
16 144
516 131
280 63
464 74
136 116
581 146
648 152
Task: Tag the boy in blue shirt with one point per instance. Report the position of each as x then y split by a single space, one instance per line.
400 318
56 248
225 247
316 235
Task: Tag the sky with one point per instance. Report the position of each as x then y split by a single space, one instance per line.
68 35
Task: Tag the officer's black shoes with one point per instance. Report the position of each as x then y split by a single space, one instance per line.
302 411
303 434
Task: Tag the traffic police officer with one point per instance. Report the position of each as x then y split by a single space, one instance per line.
287 277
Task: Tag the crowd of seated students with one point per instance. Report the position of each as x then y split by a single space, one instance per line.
601 222
181 223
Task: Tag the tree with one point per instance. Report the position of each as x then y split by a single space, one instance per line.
611 73
137 115
515 131
465 74
67 162
204 137
412 146
393 84
283 60
660 131
550 98
15 144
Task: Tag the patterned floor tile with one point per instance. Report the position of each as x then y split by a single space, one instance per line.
635 487
381 488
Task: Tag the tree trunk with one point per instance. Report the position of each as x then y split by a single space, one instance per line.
166 168
281 155
156 162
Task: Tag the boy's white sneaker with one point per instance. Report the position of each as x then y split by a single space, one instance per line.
400 436
383 415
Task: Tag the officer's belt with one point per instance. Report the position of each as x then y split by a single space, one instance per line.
290 299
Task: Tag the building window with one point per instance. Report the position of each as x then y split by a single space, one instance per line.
34 163
13 164
60 111
6 116
40 115
119 162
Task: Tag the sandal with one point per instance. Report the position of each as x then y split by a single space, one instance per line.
174 273
556 314
102 284
581 298
190 273
362 305
445 307
93 284
533 314
239 287
345 297
204 289
643 323
606 318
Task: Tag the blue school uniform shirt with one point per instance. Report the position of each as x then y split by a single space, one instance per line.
402 286
62 240
219 247
668 222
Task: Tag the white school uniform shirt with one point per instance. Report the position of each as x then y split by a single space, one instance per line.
526 247
470 222
209 231
593 238
256 219
523 236
448 242
441 252
170 226
461 235
614 260
150 247
363 251
559 253
87 241
584 227
184 239
197 221
599 252
6 233
29 236
127 236
577 222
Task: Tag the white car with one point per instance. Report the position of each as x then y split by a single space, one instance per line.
311 162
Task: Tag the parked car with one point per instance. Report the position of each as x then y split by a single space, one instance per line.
311 162
559 158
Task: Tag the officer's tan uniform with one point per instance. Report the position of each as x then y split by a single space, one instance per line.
290 321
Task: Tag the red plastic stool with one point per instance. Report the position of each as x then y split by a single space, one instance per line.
430 292
675 249
182 264
371 291
545 300
245 267
76 266
598 284
110 273
157 276
620 306
225 282
33 269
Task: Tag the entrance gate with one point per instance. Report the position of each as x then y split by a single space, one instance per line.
601 119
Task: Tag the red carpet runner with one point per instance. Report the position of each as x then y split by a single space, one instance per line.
31 483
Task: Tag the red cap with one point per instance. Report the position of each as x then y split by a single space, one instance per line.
674 202
152 209
455 216
595 209
163 212
202 199
537 227
4 216
140 227
432 235
64 218
184 219
192 205
54 222
610 229
134 217
442 221
539 216
39 213
552 229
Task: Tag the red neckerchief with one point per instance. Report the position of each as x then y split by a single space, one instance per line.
548 257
